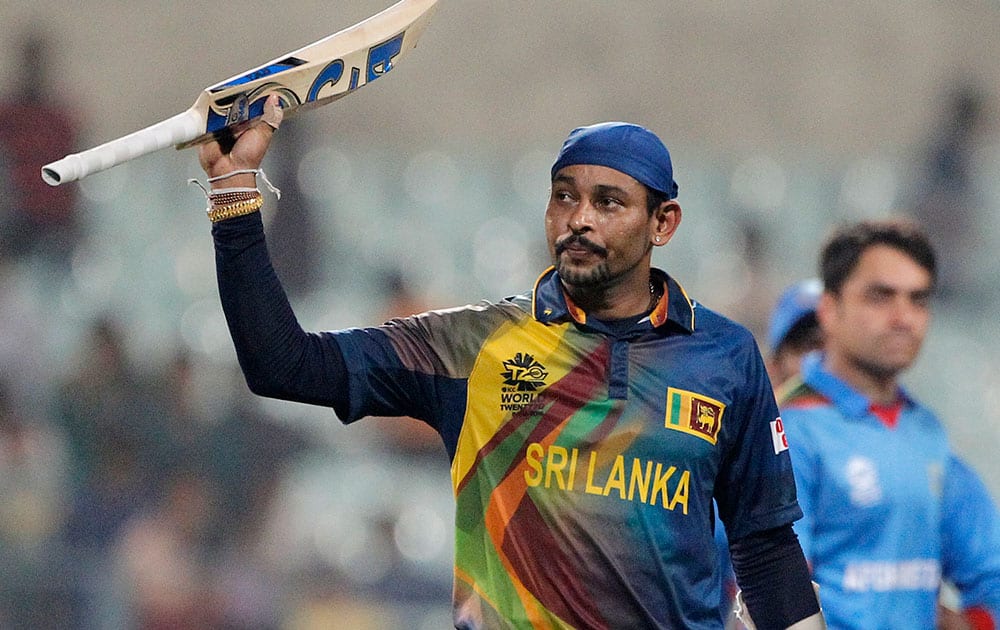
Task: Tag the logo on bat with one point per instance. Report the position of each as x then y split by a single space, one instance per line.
246 105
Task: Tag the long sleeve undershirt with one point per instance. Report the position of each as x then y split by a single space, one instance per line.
278 358
774 577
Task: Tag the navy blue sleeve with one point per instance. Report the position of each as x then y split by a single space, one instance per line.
774 577
278 358
755 490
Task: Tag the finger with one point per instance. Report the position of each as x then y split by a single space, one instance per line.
273 113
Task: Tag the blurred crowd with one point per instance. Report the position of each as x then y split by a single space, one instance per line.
158 497
127 507
146 488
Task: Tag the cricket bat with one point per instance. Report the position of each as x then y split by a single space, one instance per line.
314 75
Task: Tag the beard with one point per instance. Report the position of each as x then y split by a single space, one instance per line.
882 368
582 278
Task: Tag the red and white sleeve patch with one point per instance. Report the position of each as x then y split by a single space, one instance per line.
778 437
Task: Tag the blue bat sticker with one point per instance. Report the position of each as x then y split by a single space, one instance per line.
280 66
379 62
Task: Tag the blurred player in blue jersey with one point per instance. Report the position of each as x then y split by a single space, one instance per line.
592 422
890 512
793 331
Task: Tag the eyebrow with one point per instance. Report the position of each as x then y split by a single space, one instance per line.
601 189
881 287
604 189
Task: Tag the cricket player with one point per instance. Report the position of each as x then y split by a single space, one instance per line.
590 421
889 510
793 331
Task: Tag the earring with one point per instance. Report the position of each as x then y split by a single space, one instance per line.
657 239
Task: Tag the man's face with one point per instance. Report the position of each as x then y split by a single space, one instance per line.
785 364
878 321
598 228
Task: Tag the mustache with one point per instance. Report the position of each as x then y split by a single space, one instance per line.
582 241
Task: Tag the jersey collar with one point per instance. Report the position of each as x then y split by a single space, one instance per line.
551 304
852 402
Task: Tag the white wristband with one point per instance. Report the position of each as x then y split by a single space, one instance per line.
256 171
813 622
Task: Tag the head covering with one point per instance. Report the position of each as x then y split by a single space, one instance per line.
798 301
631 149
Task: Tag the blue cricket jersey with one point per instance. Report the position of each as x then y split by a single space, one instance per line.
883 508
587 458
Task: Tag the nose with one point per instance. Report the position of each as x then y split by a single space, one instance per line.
906 313
582 218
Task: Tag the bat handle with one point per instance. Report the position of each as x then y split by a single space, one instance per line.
177 129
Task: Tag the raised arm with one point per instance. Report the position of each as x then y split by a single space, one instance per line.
278 358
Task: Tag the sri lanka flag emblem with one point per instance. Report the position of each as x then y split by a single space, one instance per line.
694 414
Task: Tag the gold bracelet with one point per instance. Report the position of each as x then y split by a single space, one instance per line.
238 209
226 198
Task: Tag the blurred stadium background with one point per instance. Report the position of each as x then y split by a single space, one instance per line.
141 486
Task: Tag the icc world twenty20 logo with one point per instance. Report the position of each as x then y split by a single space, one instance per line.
522 377
524 373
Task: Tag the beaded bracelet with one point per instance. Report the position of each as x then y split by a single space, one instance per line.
232 196
226 203
236 209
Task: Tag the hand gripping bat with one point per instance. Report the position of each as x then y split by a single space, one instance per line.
314 75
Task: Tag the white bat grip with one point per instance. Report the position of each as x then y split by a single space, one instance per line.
174 130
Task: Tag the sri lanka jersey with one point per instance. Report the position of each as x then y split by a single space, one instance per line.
882 518
585 457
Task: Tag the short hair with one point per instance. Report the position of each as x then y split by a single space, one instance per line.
654 198
805 335
844 248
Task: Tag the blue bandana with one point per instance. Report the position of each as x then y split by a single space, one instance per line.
628 148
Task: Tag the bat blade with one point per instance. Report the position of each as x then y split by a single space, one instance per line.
311 76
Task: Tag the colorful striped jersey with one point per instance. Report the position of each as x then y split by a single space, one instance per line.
888 511
585 456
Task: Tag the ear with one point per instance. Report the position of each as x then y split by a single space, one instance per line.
826 309
664 222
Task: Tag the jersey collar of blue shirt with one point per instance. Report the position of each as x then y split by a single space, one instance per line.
674 312
851 402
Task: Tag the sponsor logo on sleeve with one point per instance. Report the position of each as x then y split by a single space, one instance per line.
778 438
